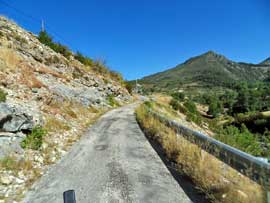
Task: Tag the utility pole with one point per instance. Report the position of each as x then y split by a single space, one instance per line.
42 26
136 87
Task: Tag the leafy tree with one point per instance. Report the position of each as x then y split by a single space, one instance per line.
180 96
242 139
242 102
215 107
45 38
191 107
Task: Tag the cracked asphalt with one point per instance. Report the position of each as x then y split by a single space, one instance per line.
113 162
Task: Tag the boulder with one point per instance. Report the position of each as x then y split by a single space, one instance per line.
11 120
6 179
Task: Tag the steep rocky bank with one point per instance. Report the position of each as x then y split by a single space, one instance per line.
43 88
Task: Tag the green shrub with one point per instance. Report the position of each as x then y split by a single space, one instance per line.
129 87
242 139
3 96
179 96
175 104
148 104
116 76
84 59
215 108
46 39
191 107
8 163
111 101
34 139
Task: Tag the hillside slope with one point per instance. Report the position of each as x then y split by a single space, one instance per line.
46 102
207 70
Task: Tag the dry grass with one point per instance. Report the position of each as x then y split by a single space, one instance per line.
218 180
13 164
55 125
161 98
45 70
10 58
28 77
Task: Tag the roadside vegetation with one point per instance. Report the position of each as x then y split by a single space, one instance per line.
35 139
239 116
219 181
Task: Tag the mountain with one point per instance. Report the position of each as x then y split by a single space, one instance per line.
265 62
207 70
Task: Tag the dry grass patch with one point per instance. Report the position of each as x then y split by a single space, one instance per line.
221 182
54 124
28 77
11 163
45 70
10 58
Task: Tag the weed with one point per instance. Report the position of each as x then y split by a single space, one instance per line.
34 139
55 125
112 102
8 163
3 96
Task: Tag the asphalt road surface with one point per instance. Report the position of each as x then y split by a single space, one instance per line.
113 162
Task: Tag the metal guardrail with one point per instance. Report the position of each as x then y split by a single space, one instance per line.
244 163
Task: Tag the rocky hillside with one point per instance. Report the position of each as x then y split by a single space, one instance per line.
207 70
46 103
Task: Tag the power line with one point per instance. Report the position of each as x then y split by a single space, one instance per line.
19 11
36 20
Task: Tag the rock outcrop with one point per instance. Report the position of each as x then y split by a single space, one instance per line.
13 121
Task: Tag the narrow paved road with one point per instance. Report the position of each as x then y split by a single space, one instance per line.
113 163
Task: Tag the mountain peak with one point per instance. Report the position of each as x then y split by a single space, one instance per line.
265 62
210 52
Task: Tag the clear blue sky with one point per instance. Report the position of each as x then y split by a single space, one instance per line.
140 37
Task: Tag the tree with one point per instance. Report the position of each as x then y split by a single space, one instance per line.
267 79
180 96
215 107
45 38
242 102
191 107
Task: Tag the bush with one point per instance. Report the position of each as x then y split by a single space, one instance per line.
179 96
174 104
46 39
34 139
116 76
215 108
148 104
8 163
191 107
129 87
84 59
112 102
242 139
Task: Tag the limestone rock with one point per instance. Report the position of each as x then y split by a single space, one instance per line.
13 121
